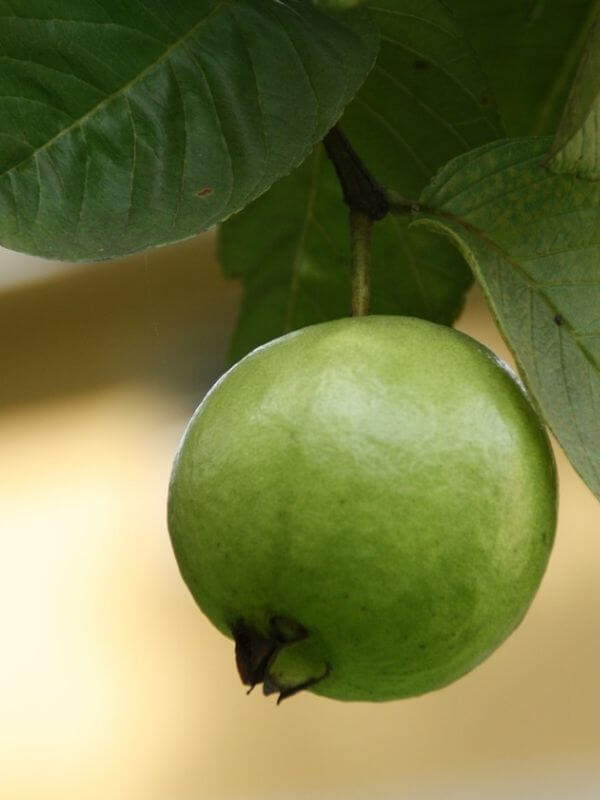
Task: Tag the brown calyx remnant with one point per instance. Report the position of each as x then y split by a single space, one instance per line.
269 687
254 653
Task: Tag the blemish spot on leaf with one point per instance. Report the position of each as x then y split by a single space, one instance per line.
558 319
421 63
204 192
484 100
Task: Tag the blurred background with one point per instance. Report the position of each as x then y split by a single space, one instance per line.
112 683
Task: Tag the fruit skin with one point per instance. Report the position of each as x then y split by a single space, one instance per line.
381 481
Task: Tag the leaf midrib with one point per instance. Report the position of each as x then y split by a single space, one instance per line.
120 91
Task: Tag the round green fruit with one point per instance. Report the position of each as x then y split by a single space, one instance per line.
367 506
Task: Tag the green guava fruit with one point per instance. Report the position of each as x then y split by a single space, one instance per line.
367 506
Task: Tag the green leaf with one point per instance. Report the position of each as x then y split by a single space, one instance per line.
576 147
291 248
533 241
292 253
424 102
130 124
529 50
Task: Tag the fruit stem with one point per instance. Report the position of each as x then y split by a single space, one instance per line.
368 203
361 229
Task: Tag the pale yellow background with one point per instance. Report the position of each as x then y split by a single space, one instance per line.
113 686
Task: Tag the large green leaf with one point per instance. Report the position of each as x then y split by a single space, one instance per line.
424 102
576 147
529 50
126 124
533 241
